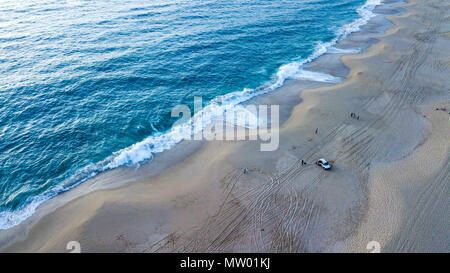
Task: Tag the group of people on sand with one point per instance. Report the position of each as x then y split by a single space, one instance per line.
353 115
442 109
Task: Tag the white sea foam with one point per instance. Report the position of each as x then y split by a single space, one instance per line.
304 74
342 51
160 142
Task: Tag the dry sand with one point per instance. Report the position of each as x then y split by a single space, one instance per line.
389 183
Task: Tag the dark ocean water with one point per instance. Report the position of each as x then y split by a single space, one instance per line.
87 86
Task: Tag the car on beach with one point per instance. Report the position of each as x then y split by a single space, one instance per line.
324 164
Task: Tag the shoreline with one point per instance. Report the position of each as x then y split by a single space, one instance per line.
104 179
151 210
283 76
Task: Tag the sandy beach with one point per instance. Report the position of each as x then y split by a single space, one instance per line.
389 181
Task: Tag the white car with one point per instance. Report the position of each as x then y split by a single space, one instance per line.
324 164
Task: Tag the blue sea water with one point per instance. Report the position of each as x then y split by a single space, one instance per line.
88 86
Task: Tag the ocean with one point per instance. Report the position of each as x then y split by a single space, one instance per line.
88 86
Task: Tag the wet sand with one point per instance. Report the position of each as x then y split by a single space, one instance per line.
389 181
